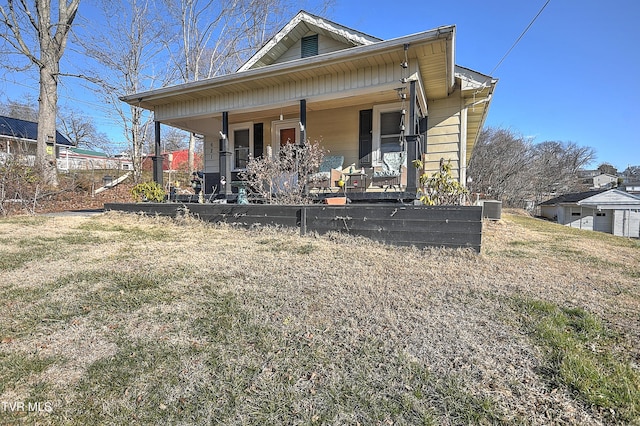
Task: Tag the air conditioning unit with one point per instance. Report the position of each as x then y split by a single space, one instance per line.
491 209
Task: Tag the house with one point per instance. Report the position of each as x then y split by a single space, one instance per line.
357 95
604 180
174 160
20 137
72 158
611 211
632 187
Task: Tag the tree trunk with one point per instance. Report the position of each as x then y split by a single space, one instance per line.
192 149
47 103
136 142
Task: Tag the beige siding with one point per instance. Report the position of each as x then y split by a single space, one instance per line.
443 135
342 83
337 131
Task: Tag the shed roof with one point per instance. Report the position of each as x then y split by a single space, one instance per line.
570 198
600 199
23 129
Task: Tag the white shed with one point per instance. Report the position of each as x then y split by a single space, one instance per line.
613 211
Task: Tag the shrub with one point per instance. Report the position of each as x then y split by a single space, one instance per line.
19 186
281 178
440 188
148 191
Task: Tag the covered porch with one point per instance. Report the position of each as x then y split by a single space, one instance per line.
358 97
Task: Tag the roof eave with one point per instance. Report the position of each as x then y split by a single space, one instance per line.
146 99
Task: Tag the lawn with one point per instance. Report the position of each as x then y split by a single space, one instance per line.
125 319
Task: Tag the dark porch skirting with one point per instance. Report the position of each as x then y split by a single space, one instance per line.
390 223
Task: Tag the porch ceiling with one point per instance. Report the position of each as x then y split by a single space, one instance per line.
432 50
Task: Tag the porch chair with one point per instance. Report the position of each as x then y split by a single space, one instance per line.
393 171
329 172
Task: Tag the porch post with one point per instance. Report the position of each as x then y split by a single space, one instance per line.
412 142
157 158
303 122
225 158
303 139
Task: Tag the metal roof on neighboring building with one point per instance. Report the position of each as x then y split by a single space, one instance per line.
23 129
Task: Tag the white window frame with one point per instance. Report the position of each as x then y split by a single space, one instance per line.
278 125
375 131
232 129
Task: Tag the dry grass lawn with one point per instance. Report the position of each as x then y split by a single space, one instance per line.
124 319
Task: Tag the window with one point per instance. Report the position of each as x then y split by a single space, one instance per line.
309 46
241 148
390 132
576 214
241 144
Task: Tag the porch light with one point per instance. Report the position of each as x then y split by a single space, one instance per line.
222 135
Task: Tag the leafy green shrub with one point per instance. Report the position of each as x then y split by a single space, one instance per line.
440 188
148 191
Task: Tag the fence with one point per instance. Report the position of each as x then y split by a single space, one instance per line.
393 223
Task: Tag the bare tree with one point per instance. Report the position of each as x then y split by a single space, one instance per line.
81 131
608 168
25 110
125 48
497 164
42 41
510 168
216 37
556 166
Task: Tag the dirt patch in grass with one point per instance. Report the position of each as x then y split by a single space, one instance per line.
124 318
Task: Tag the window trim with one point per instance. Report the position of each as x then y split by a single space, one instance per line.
376 155
277 125
248 125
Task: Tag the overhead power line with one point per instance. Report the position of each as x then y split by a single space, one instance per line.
520 38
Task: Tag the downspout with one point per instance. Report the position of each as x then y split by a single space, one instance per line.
463 147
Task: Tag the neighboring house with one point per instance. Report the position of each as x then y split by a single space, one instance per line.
604 180
174 160
20 137
357 95
611 211
632 187
588 174
84 159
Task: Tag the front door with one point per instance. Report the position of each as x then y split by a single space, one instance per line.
284 132
287 135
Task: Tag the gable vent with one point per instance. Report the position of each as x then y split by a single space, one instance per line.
309 46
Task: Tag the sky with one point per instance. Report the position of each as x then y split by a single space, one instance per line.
571 77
